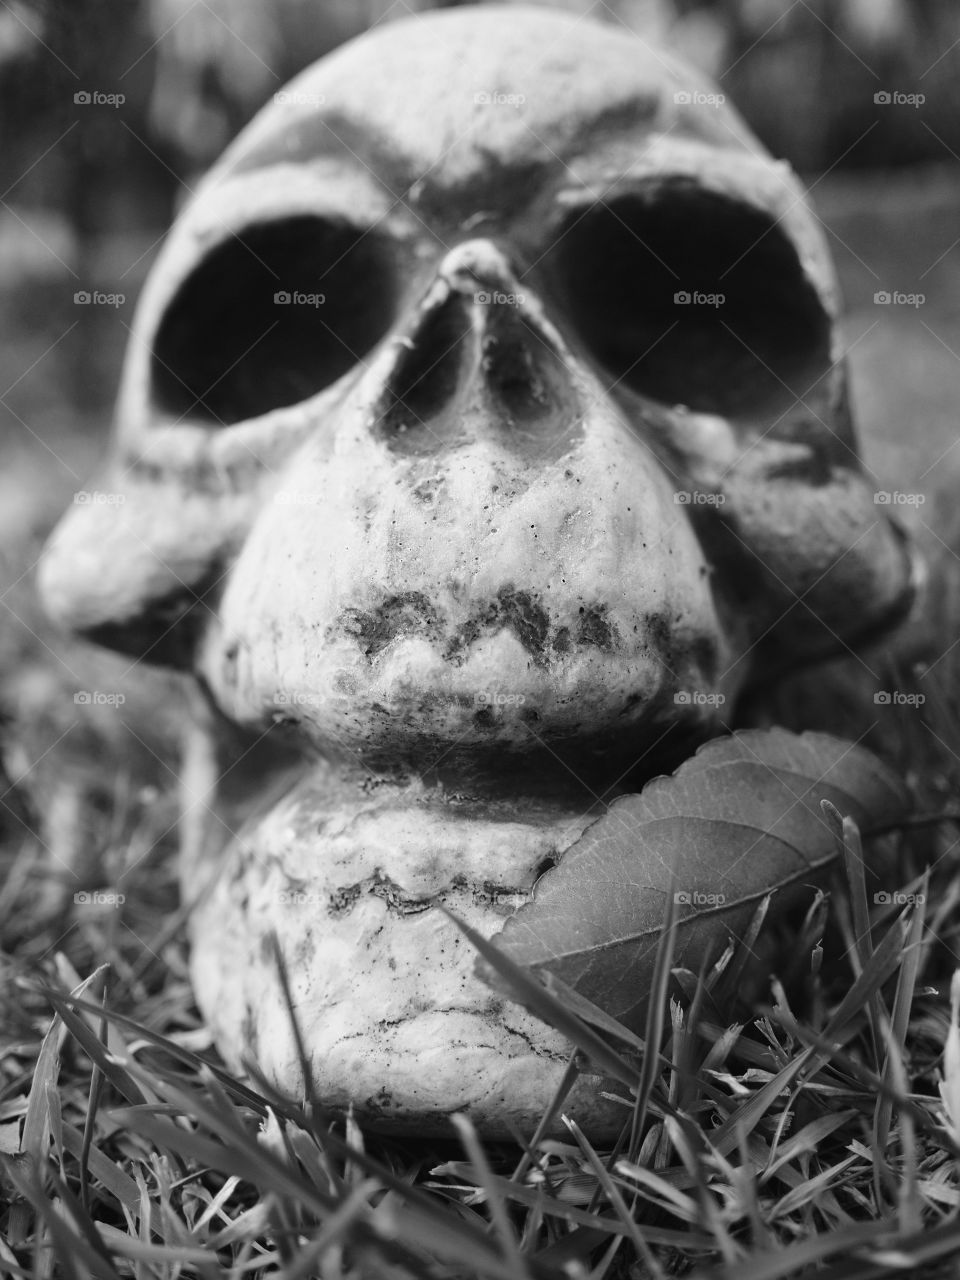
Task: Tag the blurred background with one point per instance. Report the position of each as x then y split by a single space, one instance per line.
861 96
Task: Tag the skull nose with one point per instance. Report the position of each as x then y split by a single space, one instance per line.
478 266
477 362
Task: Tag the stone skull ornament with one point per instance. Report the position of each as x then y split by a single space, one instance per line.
483 436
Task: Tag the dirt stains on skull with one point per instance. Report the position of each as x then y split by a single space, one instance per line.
528 620
594 628
561 641
412 614
409 613
520 613
512 610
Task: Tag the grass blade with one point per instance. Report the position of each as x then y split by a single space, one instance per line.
902 1004
653 1033
514 1264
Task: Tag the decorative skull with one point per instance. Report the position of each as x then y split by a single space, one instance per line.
483 433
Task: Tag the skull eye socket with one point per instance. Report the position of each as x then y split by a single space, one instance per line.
690 297
269 318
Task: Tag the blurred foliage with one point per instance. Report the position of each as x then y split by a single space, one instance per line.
804 72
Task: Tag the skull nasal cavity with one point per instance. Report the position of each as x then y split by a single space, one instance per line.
478 368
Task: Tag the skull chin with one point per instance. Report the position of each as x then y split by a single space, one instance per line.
468 611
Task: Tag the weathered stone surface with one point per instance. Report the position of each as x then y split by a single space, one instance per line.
483 435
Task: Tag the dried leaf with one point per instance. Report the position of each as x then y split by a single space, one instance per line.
739 820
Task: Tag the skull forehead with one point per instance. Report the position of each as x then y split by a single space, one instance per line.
459 97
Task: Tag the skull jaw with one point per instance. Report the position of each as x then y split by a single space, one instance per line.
475 612
496 746
349 878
